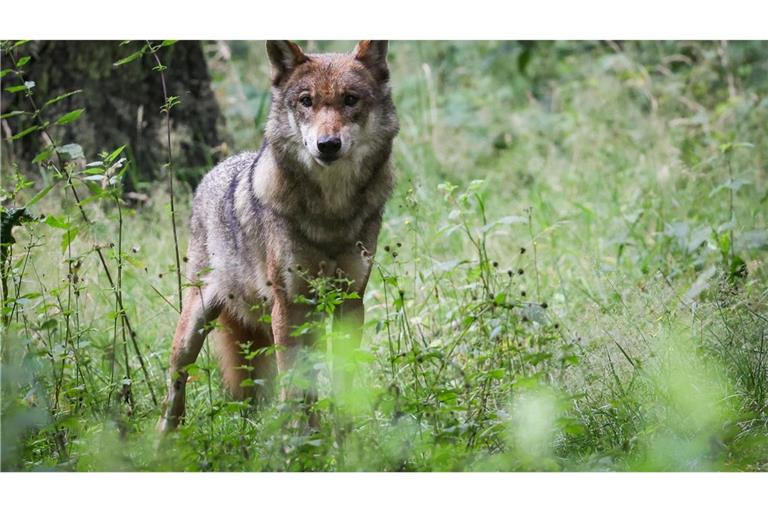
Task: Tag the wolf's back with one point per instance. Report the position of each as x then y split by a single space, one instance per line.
210 205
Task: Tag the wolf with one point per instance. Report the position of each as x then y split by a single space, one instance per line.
309 202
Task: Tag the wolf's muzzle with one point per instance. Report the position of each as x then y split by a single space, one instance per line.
329 147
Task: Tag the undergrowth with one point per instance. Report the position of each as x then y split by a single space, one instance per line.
571 276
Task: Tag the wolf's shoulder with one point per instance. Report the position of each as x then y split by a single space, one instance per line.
218 179
226 169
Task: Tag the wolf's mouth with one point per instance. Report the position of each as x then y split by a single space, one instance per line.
327 159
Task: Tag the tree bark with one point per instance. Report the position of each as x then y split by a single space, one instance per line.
122 106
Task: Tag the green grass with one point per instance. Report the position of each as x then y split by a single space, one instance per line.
571 276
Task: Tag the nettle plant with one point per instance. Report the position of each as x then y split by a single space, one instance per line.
56 369
457 366
447 349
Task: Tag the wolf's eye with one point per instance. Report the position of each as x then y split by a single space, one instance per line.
350 100
306 101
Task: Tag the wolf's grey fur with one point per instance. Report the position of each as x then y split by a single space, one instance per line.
261 217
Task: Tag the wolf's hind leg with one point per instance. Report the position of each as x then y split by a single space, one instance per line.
233 339
199 309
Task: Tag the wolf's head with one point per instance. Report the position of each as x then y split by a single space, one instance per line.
331 110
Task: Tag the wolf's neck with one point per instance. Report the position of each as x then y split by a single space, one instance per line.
297 187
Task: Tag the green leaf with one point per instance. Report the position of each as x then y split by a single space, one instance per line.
726 148
447 396
497 373
23 61
97 195
13 113
134 261
61 97
169 42
39 195
57 222
114 154
48 324
250 383
26 132
19 43
731 184
43 155
70 116
5 72
16 88
132 57
68 237
725 245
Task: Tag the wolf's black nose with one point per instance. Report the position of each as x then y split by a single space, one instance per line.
329 146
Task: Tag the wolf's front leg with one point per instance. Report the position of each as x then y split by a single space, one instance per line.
356 266
198 310
348 325
292 351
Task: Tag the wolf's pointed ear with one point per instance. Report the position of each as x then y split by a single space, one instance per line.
284 56
373 54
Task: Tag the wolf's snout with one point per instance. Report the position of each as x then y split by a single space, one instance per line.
329 146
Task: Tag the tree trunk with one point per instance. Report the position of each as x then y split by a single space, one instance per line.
122 106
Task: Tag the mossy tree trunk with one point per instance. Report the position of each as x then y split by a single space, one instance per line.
122 105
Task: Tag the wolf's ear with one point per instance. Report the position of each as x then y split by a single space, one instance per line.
373 54
284 56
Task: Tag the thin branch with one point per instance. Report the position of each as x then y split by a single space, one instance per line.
167 108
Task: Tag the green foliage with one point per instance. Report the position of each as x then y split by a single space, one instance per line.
571 276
